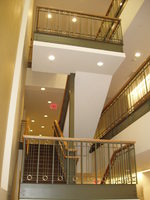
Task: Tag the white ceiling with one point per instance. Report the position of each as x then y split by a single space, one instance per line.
48 80
70 59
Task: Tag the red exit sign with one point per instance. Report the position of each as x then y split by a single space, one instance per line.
53 106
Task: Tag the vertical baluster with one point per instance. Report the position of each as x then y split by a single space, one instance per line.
37 20
68 173
91 28
81 148
23 159
122 163
86 161
129 164
109 162
95 163
53 162
134 162
37 173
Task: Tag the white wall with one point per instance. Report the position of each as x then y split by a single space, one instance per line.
139 132
90 94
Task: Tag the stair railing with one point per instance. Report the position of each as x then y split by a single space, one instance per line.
42 163
130 97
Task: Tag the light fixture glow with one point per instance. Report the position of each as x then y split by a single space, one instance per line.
121 4
139 91
40 135
137 54
31 130
139 176
42 126
32 120
49 16
49 102
51 57
42 88
144 171
100 63
74 19
45 116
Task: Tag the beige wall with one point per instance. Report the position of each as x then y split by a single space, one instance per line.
10 19
143 187
20 106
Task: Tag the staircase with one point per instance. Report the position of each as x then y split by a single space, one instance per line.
47 173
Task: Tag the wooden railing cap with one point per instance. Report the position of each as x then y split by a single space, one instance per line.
77 139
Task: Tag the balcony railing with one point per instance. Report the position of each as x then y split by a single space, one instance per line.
78 25
135 92
58 160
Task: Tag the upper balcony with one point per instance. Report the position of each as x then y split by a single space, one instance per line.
78 29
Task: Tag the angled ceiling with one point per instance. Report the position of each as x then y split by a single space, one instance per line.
97 7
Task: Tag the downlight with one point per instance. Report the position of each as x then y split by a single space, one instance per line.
51 57
100 64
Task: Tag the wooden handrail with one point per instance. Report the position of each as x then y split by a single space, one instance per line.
64 105
79 13
77 139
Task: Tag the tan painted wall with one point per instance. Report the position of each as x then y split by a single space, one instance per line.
143 187
10 19
20 105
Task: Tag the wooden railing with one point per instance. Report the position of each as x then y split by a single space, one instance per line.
43 163
131 96
78 25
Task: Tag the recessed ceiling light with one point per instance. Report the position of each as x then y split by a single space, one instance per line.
74 19
42 126
51 57
49 16
42 88
137 54
49 102
32 120
31 130
121 4
100 63
45 116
